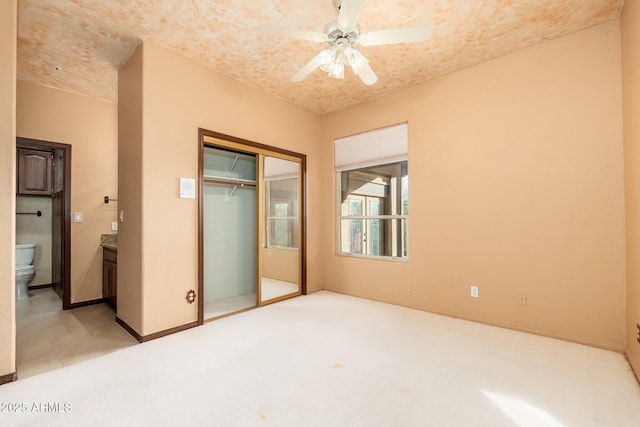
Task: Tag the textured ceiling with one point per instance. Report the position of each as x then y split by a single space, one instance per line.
91 39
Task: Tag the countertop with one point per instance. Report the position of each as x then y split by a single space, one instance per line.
109 241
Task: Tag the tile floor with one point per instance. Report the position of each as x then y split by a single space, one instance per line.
49 338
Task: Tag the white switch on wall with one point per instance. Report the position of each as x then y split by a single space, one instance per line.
77 217
474 291
114 226
187 188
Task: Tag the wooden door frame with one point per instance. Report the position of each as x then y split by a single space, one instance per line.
66 216
248 145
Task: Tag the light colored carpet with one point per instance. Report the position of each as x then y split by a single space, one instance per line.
333 360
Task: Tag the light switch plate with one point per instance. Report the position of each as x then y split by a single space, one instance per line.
187 188
114 226
77 217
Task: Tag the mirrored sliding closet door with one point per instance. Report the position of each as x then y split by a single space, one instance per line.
251 225
280 274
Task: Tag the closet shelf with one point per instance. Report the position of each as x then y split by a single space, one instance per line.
234 181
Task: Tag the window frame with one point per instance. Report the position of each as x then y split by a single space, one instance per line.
269 220
402 217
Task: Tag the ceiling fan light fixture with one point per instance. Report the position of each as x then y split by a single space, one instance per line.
336 70
355 59
325 59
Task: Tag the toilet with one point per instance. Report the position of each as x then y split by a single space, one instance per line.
24 270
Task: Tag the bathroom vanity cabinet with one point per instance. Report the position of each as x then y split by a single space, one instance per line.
34 172
109 275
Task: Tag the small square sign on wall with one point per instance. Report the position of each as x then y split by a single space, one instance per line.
187 188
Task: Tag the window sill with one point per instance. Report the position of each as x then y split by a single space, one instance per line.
374 257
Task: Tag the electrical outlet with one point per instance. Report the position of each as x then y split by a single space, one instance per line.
114 226
522 299
474 291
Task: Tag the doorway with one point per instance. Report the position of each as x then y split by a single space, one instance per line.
251 225
60 211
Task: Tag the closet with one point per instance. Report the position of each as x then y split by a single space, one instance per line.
251 225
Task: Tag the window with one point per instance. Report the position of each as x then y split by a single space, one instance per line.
282 216
373 197
281 198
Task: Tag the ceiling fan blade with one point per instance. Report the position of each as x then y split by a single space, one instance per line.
349 13
295 33
367 75
401 35
307 69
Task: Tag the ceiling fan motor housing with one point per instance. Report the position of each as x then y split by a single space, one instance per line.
335 36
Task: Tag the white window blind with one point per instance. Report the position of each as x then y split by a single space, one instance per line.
376 147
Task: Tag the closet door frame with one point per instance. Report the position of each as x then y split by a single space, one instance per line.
219 140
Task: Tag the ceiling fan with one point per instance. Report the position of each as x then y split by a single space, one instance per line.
341 35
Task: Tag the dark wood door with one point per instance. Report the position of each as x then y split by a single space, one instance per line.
110 276
57 170
114 284
106 279
57 243
58 235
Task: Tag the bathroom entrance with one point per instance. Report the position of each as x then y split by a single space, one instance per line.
251 225
43 217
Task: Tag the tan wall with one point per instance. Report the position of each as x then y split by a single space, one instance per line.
516 186
631 94
8 35
130 245
37 230
90 127
179 97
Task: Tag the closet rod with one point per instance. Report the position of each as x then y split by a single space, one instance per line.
230 183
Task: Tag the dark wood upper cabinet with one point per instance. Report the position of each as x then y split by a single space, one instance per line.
34 172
